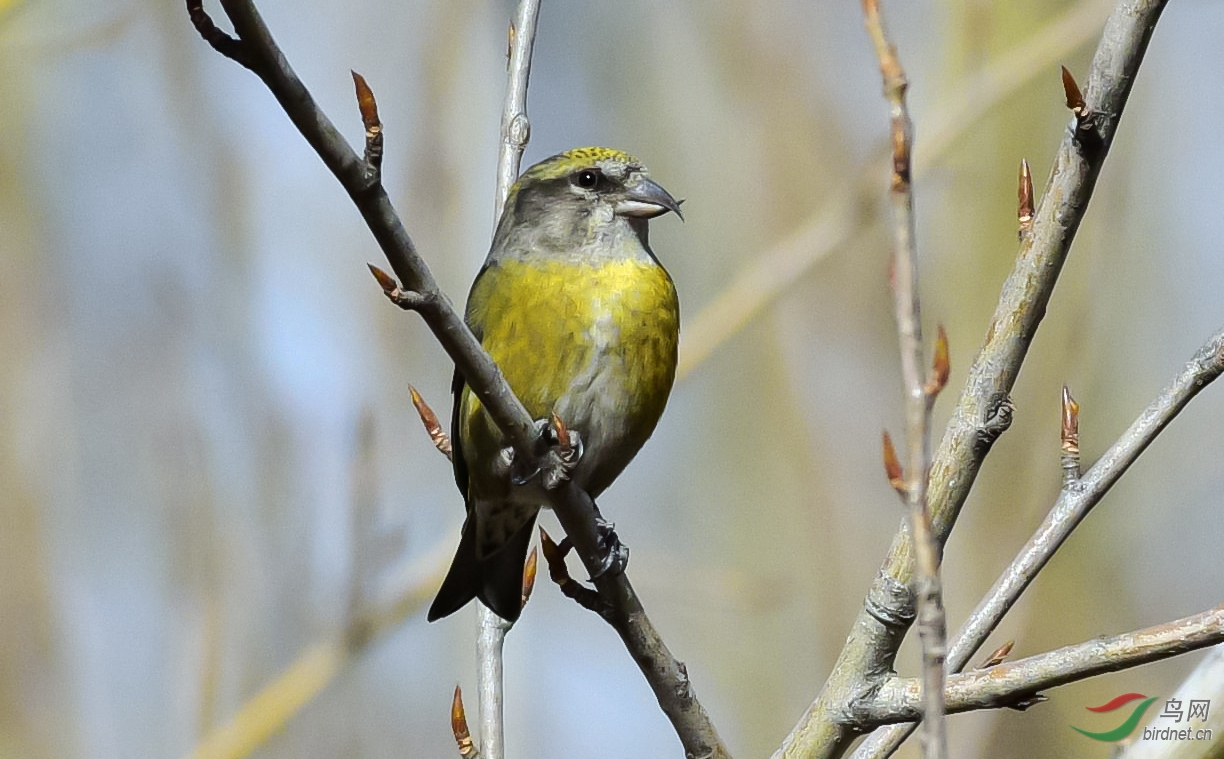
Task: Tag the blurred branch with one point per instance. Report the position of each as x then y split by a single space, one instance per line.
919 394
1016 683
254 48
983 410
269 711
1073 505
770 274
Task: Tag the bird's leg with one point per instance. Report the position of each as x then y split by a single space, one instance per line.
615 555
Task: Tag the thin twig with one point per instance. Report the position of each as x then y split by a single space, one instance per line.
491 629
573 507
1015 683
919 398
490 638
1069 510
515 127
983 410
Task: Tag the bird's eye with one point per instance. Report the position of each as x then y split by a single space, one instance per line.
587 179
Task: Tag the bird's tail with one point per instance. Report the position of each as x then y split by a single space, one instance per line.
497 579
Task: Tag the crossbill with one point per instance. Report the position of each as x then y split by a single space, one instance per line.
584 322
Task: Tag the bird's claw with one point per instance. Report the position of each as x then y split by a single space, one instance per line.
557 463
508 463
615 555
561 458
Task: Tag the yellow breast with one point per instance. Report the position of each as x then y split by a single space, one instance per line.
594 342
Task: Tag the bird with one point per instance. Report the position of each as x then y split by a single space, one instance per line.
583 322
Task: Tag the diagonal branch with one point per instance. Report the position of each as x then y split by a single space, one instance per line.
256 49
983 411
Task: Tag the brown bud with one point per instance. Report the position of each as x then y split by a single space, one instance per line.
459 726
433 427
1075 99
385 280
998 655
1025 206
366 104
941 366
563 438
1070 423
892 467
529 574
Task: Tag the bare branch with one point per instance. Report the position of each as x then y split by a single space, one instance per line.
515 130
1006 684
919 394
983 409
490 638
1073 505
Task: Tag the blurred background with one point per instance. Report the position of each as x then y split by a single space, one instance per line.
210 468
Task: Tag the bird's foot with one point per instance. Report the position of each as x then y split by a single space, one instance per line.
564 452
615 556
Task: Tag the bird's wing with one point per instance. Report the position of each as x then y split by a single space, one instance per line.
458 384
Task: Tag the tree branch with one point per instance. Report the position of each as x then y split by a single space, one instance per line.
491 629
900 698
1073 505
983 410
255 48
919 393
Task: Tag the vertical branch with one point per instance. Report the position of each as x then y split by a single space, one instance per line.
490 636
515 132
515 128
920 392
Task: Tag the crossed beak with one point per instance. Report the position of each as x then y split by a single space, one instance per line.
645 199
